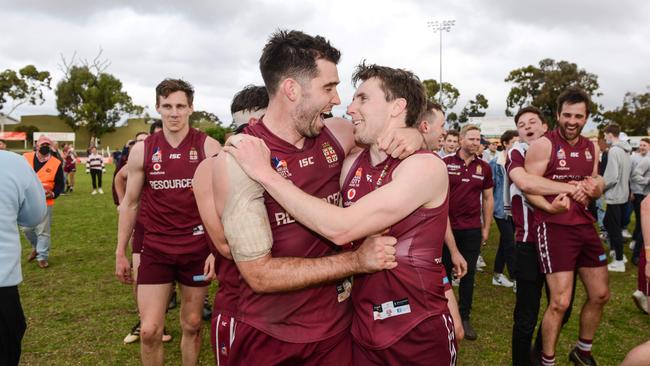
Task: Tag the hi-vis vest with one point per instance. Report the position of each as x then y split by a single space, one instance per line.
47 173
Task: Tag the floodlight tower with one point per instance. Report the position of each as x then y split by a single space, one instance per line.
440 27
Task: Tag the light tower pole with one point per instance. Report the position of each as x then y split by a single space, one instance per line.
440 26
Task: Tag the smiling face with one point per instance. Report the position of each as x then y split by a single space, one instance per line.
571 120
318 96
530 127
433 130
451 144
370 111
175 111
470 143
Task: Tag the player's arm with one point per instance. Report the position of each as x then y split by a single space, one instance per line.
487 211
398 143
211 147
128 211
120 182
645 230
530 180
598 182
452 304
240 202
560 204
457 259
202 188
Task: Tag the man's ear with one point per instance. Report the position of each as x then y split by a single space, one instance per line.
399 106
291 89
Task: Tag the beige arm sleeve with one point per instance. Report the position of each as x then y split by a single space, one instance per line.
245 220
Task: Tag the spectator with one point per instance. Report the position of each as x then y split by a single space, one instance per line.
22 202
490 152
638 193
69 166
503 213
617 191
450 144
3 145
95 166
50 172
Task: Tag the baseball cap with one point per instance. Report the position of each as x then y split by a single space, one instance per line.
44 140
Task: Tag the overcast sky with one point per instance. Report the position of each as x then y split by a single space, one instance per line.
216 44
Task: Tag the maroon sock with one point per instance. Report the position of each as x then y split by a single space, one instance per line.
584 346
548 360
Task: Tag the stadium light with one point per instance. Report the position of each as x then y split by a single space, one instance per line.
440 27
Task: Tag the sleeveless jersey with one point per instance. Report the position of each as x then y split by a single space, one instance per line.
568 163
522 211
227 297
315 313
167 206
388 304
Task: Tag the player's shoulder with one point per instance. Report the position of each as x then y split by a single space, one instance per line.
426 161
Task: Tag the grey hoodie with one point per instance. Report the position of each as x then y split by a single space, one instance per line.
617 173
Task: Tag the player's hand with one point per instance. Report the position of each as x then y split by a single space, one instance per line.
123 269
647 270
49 194
578 193
460 264
224 249
208 269
401 142
561 203
376 253
485 234
253 156
590 186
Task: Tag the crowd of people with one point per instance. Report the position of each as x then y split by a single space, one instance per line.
338 241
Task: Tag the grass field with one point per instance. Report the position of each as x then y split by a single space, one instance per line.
78 313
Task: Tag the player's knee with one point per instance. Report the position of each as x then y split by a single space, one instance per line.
191 323
600 297
150 333
560 304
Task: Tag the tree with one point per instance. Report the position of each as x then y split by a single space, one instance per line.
24 86
474 108
634 115
202 117
449 93
88 96
540 86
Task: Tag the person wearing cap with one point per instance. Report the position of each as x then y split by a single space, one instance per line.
50 172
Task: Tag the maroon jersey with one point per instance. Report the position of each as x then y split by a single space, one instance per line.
388 304
568 163
466 183
227 297
522 211
169 213
315 313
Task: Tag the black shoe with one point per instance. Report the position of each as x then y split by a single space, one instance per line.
172 302
635 260
470 334
207 309
578 359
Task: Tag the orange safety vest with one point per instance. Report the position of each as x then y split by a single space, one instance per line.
47 173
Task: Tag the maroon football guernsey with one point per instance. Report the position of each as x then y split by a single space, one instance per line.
227 297
568 163
466 183
522 211
315 313
388 304
169 212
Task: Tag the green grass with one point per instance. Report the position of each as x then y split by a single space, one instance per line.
78 313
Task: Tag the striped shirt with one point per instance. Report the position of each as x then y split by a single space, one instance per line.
95 161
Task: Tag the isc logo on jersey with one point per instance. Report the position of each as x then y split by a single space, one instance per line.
306 161
174 156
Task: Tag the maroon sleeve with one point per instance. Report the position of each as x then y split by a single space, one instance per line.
488 182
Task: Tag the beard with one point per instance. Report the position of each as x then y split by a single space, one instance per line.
308 120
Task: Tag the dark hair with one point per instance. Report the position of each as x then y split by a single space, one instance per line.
453 133
428 112
293 54
508 135
251 98
397 83
140 133
646 140
157 124
573 95
530 109
169 86
612 128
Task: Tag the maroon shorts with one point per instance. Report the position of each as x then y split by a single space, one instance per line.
642 284
158 268
138 238
562 248
432 342
254 347
221 336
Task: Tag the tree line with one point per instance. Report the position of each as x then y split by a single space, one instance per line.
87 96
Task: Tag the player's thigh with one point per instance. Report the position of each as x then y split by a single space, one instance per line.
135 263
192 304
560 285
596 281
152 303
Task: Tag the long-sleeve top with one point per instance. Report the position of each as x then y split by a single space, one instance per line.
617 173
22 202
95 161
641 175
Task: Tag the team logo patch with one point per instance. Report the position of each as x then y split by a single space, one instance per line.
194 156
223 349
390 309
479 170
356 180
281 167
602 257
156 167
369 178
561 154
351 193
329 153
588 155
562 163
198 230
156 157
